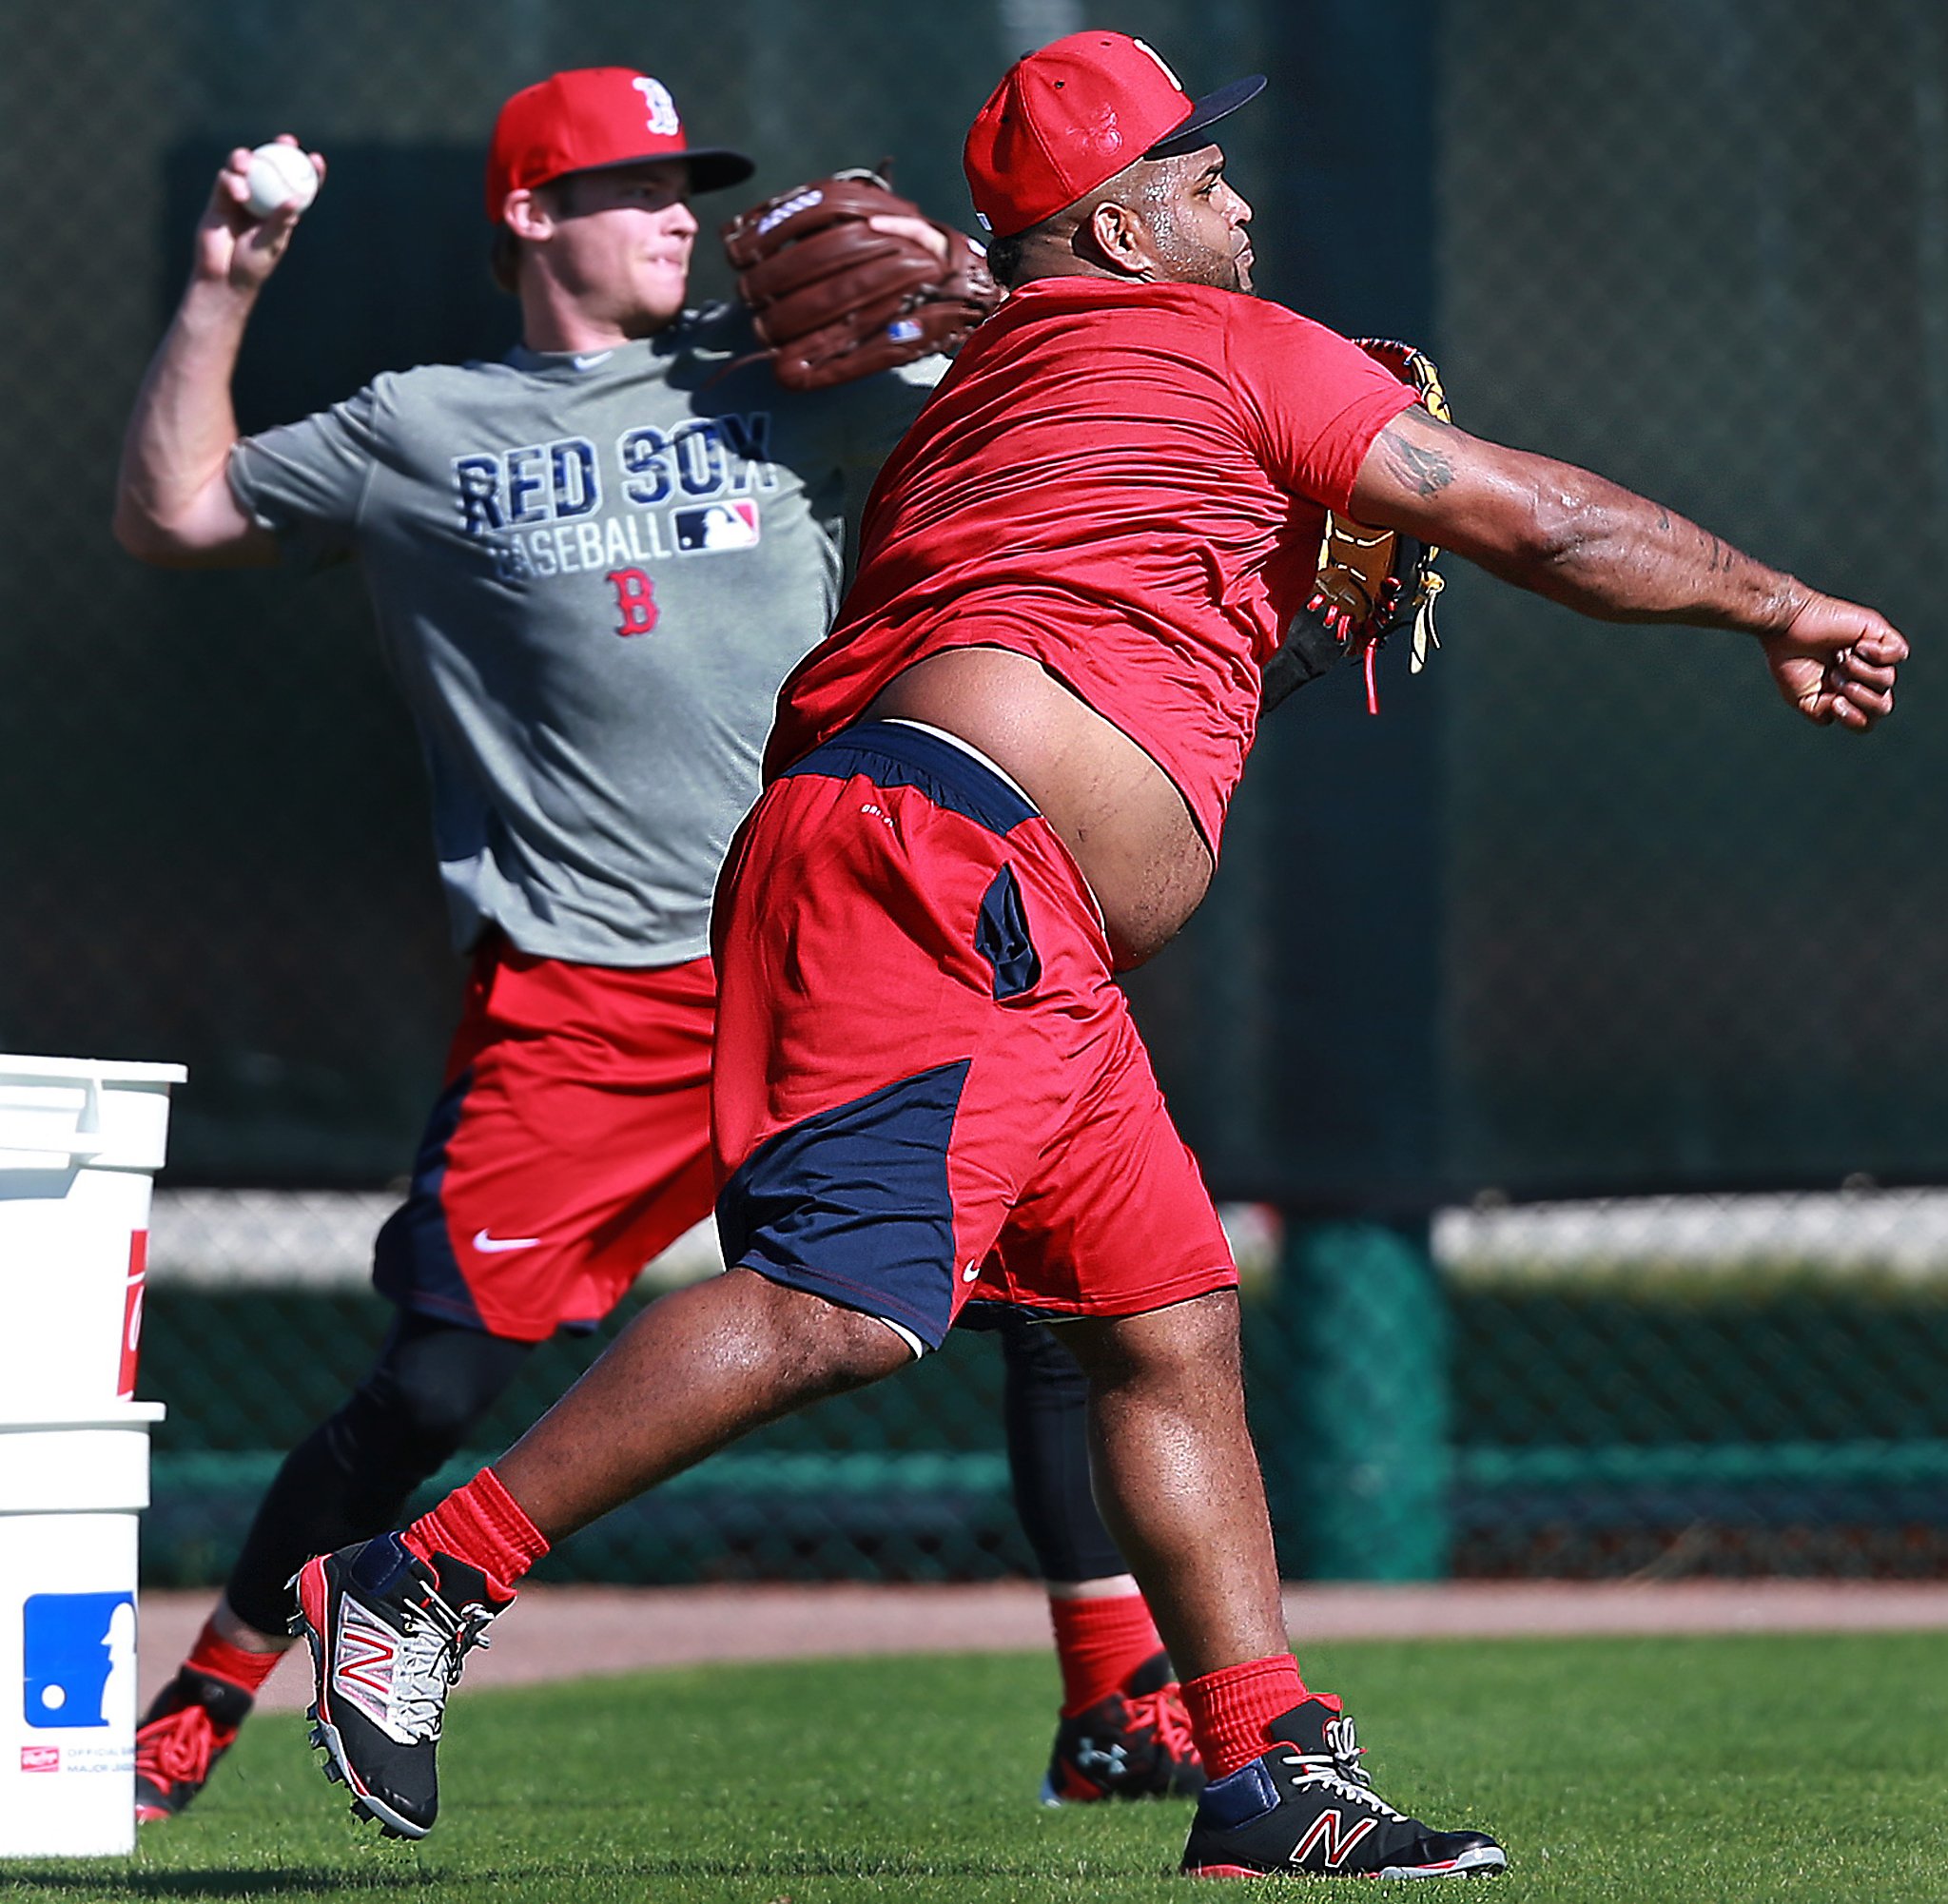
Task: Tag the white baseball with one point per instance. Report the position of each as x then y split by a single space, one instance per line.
278 175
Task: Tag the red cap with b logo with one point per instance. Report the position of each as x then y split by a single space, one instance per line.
591 118
1069 117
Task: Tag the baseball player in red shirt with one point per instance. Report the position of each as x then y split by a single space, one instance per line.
591 563
1002 777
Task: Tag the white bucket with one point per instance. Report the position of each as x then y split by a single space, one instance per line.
79 1140
69 1492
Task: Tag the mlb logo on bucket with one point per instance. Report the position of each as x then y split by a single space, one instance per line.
40 1759
74 1646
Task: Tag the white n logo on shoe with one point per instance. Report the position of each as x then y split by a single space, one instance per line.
1330 1835
364 1664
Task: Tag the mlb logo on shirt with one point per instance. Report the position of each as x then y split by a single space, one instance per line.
73 1644
716 525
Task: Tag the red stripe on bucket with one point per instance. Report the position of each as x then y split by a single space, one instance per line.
131 1314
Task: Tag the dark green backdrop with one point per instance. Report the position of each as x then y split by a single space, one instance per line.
1584 909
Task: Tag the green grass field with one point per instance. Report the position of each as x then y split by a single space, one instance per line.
1709 1769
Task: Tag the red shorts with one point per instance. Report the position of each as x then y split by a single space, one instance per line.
570 1146
928 1086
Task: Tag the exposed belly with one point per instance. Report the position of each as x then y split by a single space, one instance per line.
1109 803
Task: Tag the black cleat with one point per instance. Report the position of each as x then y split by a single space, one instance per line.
387 1633
188 1728
1306 1809
1134 1744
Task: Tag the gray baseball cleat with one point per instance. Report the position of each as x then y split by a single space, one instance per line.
387 1633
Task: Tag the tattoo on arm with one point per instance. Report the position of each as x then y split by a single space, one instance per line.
1420 467
1718 556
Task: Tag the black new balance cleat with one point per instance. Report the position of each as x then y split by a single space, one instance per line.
1306 1809
387 1634
1134 1744
188 1728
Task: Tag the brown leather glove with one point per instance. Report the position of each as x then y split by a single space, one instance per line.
835 298
1371 581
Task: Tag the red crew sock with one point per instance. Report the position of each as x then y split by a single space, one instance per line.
482 1525
1231 1708
234 1665
1100 1643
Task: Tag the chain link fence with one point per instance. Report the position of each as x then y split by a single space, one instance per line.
1704 249
1583 916
1654 1387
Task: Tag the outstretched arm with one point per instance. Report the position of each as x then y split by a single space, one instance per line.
1582 540
173 505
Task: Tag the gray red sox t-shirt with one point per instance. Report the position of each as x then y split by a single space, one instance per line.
590 573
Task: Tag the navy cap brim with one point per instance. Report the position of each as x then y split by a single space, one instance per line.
1188 136
711 167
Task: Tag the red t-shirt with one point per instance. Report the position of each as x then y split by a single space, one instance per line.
1126 482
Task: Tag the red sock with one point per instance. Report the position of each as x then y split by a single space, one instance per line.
234 1665
1231 1708
1099 1642
482 1525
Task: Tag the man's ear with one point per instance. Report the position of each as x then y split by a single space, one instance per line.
1120 239
527 216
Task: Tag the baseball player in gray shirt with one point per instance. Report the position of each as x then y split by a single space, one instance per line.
591 565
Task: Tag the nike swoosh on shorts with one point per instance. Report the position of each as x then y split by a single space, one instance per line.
487 1244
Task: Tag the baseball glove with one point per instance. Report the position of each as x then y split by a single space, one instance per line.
835 298
1371 581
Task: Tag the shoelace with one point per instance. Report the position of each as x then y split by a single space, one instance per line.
1346 1753
434 1642
178 1750
1337 1774
1164 1714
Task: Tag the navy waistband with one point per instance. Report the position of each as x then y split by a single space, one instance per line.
891 754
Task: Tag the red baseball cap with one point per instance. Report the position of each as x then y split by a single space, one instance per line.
591 118
1066 119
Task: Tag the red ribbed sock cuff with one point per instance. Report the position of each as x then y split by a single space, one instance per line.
234 1665
482 1525
1231 1708
1099 1642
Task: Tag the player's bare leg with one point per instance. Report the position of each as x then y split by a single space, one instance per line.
698 1367
1178 1475
692 1373
1177 1480
1179 1485
740 1350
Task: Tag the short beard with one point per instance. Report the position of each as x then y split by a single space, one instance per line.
1188 264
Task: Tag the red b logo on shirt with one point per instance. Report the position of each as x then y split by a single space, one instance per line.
636 599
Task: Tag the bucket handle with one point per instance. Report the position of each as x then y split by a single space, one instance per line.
87 1140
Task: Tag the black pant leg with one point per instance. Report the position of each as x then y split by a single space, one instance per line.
352 1475
1045 1408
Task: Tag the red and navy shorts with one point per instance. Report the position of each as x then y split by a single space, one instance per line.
928 1086
570 1145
